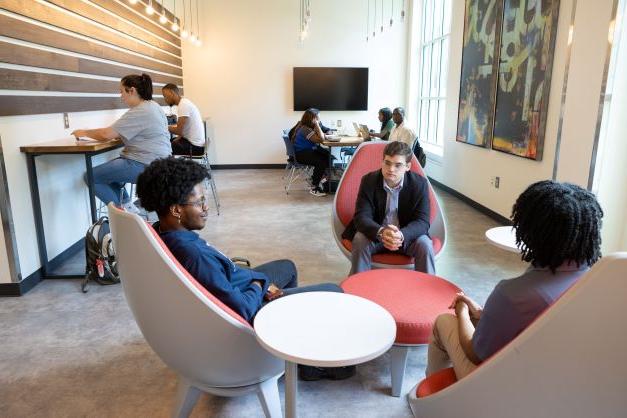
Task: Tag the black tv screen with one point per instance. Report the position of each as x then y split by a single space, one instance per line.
330 88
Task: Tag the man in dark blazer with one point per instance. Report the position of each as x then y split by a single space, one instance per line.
392 213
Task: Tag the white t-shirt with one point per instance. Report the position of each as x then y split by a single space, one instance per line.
193 130
403 134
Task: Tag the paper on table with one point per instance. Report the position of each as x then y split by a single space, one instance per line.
84 139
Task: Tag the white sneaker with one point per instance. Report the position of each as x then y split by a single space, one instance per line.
317 192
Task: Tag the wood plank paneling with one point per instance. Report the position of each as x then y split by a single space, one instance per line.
94 34
23 55
122 11
18 29
34 81
72 23
27 80
32 105
94 13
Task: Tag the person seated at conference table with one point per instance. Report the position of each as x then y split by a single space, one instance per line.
400 132
189 129
176 189
558 227
387 124
144 131
307 136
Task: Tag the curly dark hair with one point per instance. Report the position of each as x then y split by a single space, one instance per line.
168 181
557 222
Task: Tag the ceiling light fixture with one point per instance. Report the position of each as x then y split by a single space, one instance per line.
149 9
184 32
175 24
162 18
198 41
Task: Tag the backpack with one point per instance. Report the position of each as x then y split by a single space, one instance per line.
419 153
100 263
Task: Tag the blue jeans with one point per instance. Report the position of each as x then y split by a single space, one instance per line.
110 178
283 274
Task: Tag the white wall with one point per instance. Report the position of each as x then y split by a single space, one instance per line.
242 75
611 168
469 169
64 198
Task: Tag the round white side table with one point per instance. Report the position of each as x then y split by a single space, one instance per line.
503 237
322 329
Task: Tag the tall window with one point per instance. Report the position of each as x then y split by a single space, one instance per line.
435 21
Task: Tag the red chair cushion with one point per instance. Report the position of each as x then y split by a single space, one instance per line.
413 298
394 259
436 382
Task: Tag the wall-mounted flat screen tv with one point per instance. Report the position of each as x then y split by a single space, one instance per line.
330 88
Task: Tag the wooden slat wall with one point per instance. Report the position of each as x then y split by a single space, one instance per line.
93 43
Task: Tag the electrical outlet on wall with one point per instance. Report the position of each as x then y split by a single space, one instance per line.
495 181
339 123
66 121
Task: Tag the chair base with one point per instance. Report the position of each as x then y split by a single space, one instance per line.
187 395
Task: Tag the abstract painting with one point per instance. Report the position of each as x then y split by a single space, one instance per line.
479 71
524 79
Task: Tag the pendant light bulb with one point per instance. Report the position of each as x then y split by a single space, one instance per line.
149 9
163 19
184 33
132 1
175 26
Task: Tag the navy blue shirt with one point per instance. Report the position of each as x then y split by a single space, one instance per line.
217 273
301 140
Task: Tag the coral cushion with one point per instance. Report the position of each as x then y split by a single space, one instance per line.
413 298
391 258
436 382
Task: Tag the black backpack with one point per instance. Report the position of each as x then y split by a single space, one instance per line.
419 153
100 263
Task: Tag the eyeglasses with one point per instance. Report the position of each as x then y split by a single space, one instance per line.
397 166
203 202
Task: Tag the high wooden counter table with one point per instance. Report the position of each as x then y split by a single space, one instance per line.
68 145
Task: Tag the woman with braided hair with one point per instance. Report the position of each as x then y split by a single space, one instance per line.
558 231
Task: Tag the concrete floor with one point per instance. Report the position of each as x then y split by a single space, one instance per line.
68 354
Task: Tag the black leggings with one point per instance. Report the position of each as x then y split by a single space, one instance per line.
318 158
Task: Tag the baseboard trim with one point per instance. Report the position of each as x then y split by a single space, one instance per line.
246 166
67 254
22 287
486 211
19 289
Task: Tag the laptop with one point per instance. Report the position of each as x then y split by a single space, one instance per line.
361 130
333 138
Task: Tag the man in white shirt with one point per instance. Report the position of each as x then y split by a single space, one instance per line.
400 132
189 128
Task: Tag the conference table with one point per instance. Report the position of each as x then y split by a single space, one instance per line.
66 146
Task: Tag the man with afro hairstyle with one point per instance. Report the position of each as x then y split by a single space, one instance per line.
175 188
558 231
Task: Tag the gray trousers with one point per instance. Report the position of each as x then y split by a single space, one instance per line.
421 249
